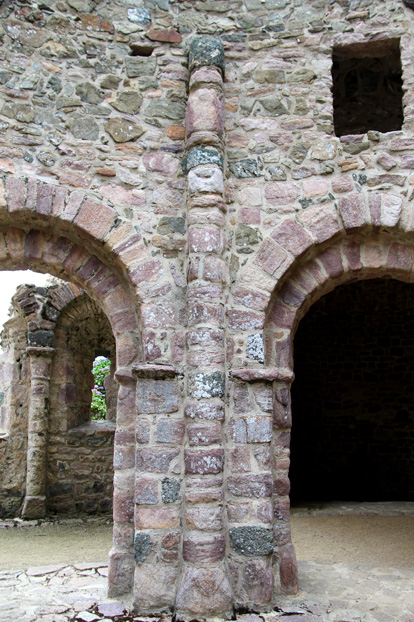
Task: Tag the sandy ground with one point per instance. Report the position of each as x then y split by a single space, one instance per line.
54 544
377 540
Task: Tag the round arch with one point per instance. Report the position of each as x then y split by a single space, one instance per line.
47 228
345 260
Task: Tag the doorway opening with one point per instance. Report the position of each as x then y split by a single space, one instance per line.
353 396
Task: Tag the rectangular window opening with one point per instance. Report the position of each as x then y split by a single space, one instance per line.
367 87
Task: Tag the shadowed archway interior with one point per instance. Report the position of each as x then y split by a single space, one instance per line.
353 395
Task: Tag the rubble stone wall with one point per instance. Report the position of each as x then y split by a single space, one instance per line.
178 161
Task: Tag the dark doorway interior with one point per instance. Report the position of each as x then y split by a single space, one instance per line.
353 396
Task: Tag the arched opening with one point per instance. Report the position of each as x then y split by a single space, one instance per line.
353 396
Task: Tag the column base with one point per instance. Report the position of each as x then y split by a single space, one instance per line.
34 507
204 592
120 573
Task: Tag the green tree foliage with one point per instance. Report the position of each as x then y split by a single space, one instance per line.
100 370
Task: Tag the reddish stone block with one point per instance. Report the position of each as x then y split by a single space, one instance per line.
158 315
281 193
257 581
15 193
156 518
291 236
282 412
205 112
254 486
33 245
124 457
56 250
142 433
205 410
282 486
251 299
199 313
152 350
203 461
342 184
321 221
214 269
245 320
204 496
263 395
249 216
205 337
162 163
288 569
169 431
146 491
170 547
94 23
353 212
352 253
240 460
73 205
238 430
331 260
292 296
15 243
95 218
149 271
59 198
44 199
282 317
400 257
155 459
206 240
284 353
374 204
31 194
203 550
123 507
204 519
271 257
177 348
204 433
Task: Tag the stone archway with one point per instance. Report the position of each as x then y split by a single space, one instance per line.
46 228
345 261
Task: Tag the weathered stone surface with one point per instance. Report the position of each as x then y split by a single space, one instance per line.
84 128
198 156
128 101
170 490
137 66
122 131
142 546
245 168
206 51
207 385
251 540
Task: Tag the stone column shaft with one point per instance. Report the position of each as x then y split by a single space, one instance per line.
204 587
34 505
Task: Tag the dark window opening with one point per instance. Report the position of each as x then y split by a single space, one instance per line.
140 49
367 88
353 396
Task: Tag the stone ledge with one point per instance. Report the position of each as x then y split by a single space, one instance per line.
263 375
156 372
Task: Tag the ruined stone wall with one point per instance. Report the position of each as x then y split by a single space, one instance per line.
178 161
79 469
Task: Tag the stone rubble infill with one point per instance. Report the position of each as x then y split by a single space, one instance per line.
329 593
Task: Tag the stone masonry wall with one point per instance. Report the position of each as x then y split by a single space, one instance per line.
177 160
79 472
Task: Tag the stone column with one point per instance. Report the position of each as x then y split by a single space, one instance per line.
204 587
34 505
263 558
285 565
121 556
